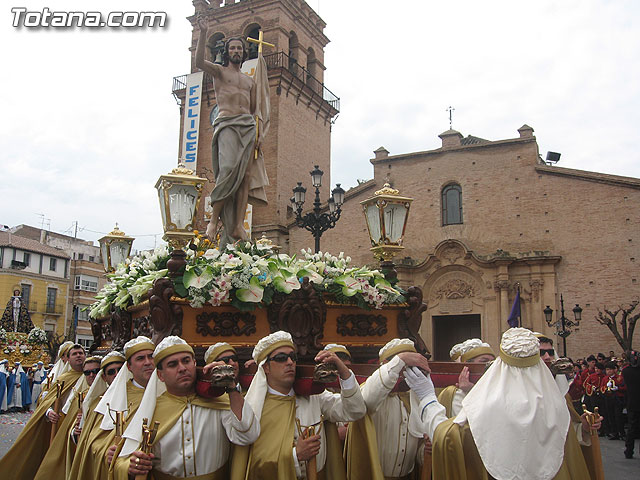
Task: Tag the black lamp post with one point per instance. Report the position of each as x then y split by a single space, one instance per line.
564 326
317 222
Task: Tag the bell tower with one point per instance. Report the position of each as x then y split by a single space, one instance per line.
302 107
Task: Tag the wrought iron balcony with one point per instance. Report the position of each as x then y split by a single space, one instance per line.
292 75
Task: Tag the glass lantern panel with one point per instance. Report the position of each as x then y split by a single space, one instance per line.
182 205
103 252
163 211
373 220
119 252
394 216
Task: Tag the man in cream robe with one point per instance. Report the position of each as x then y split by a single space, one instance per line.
38 377
194 435
23 459
54 464
473 350
97 442
514 423
385 444
282 452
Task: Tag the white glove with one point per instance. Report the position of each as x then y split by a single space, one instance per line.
419 383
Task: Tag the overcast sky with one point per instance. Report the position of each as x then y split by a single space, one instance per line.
89 121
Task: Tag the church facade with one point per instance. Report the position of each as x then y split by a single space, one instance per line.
489 218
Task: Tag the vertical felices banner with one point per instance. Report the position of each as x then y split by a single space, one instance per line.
191 126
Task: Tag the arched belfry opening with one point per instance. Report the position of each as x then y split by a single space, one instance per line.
215 45
252 31
311 64
294 51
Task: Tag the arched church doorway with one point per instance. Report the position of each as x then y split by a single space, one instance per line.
451 329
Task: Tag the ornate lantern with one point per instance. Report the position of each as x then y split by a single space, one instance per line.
179 194
115 248
386 214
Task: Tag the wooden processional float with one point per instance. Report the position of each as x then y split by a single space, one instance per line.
313 320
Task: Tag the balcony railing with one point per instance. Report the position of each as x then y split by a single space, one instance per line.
53 308
278 60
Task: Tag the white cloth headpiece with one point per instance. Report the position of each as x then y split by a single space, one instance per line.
136 344
329 346
80 386
526 439
133 433
454 353
106 359
19 370
217 348
399 344
97 388
114 398
155 388
269 341
258 389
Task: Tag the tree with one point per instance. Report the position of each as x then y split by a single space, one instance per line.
628 320
54 340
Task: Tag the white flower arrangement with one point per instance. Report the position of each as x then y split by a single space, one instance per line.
245 275
37 336
3 335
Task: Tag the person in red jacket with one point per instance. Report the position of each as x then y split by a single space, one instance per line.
613 388
593 395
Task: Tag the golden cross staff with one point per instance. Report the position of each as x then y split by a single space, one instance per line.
118 423
56 408
148 436
81 396
595 442
260 43
306 432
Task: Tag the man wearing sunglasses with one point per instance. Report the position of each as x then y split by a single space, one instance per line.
54 464
97 442
195 434
287 420
27 452
223 352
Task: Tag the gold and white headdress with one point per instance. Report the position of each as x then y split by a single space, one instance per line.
258 388
516 413
133 433
395 346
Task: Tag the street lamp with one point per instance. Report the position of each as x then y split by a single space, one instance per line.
115 247
563 325
386 214
179 194
317 222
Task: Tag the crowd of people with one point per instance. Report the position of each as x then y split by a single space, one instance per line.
20 387
610 384
146 410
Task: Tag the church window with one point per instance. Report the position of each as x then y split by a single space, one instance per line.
452 204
